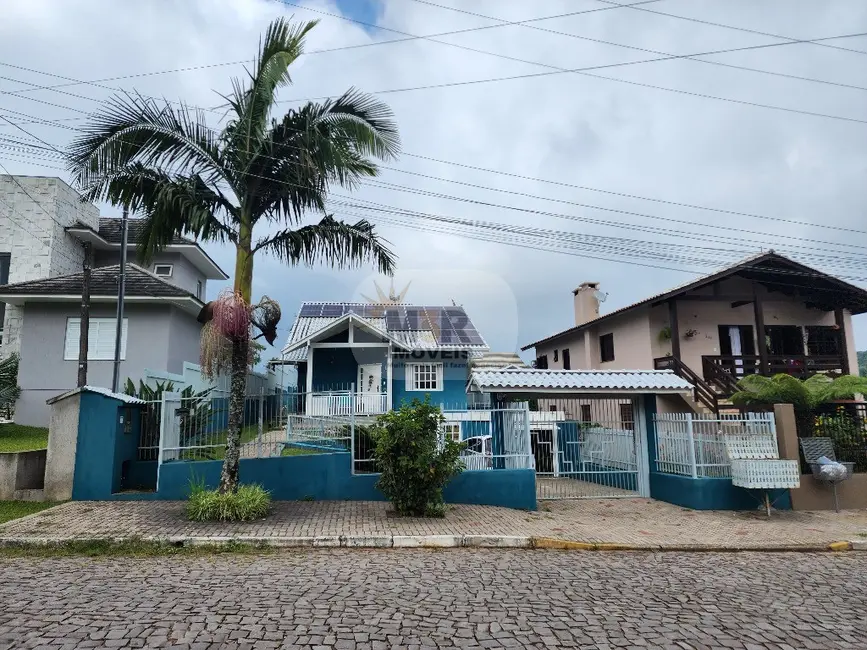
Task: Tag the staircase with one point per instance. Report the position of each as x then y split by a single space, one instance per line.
711 395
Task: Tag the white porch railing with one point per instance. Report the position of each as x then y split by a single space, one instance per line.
691 444
346 403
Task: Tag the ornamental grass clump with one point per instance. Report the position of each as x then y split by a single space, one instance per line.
249 502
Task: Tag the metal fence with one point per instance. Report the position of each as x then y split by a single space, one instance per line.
846 425
692 444
586 447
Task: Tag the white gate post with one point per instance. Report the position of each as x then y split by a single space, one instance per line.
261 422
640 437
690 440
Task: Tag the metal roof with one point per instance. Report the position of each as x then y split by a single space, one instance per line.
417 339
507 380
764 261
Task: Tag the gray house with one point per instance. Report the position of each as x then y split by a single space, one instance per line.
160 327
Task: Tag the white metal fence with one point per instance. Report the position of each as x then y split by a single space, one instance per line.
691 444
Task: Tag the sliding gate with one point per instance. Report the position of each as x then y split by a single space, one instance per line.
589 447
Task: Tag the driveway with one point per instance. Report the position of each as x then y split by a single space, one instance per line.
378 599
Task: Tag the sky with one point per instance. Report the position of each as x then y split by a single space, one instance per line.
638 176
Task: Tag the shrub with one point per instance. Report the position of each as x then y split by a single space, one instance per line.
248 503
415 461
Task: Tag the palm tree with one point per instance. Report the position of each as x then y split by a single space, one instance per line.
187 179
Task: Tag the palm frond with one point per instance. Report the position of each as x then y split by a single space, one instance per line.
362 121
133 129
758 390
334 241
282 45
171 205
9 389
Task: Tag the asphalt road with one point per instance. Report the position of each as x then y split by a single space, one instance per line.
426 599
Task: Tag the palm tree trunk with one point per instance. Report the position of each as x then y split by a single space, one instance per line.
229 473
240 361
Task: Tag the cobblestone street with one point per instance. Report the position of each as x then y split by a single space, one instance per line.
423 599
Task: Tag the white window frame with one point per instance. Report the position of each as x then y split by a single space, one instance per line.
451 430
100 339
171 268
419 374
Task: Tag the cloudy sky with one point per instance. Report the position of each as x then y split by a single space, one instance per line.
542 161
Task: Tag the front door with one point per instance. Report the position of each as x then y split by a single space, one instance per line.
369 388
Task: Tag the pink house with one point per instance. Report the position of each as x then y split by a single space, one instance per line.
708 330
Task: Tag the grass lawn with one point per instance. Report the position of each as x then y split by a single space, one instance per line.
10 510
15 437
300 451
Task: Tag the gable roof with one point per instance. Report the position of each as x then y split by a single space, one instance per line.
587 382
140 286
335 325
427 328
775 271
109 237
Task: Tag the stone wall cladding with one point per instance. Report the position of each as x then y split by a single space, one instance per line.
32 222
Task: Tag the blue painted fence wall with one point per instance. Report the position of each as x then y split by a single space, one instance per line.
328 477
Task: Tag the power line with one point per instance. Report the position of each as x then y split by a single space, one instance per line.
573 186
667 56
639 227
74 82
820 43
582 71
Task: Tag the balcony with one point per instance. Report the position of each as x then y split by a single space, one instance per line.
798 365
346 403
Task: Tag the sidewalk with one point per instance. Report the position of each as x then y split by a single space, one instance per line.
634 523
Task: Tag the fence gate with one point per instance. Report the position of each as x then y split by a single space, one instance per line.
589 447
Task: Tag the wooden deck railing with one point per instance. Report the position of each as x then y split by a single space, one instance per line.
703 393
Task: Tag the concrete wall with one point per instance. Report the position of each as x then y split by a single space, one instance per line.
158 337
22 470
32 231
62 448
328 477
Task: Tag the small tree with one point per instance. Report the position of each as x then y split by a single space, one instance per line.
9 390
805 396
415 461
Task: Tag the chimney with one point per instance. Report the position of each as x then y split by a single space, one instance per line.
586 302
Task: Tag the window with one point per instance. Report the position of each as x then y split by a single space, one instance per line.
585 413
555 356
451 431
424 376
100 339
626 417
163 270
5 259
567 360
823 340
606 347
542 362
199 291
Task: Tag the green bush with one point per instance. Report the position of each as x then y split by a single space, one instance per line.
416 463
248 503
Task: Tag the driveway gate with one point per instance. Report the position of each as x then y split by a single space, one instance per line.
588 447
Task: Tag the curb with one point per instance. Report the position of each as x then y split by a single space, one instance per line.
430 541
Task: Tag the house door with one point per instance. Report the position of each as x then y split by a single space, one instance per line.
369 388
542 444
737 340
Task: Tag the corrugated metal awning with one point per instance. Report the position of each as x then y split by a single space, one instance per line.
536 380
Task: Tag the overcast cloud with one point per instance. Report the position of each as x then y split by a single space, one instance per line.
569 128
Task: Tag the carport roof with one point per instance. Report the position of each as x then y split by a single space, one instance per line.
537 380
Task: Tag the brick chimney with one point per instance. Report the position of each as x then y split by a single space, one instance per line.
586 302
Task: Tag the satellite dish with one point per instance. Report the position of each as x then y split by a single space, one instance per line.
601 296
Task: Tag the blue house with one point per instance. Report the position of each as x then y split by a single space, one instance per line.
371 358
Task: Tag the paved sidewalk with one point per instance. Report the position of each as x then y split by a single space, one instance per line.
634 522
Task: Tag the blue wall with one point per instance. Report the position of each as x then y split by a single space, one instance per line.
328 477
700 493
455 373
337 368
102 447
